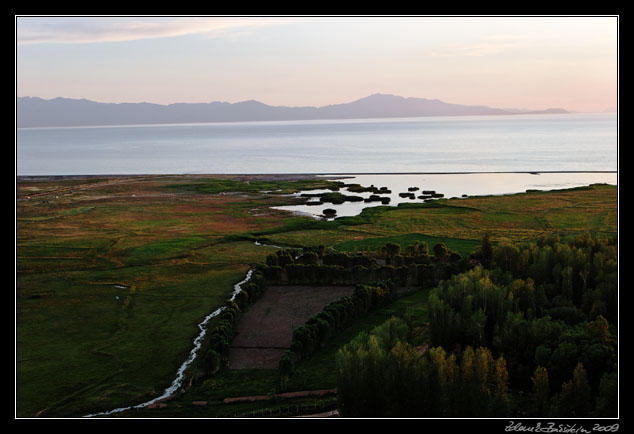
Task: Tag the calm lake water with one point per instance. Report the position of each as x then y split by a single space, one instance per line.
450 185
566 142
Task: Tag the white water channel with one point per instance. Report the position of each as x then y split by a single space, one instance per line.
180 375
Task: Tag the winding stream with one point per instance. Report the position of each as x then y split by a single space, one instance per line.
180 375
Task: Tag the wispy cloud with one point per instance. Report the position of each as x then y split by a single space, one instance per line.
35 30
493 44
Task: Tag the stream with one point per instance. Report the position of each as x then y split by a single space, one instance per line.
180 375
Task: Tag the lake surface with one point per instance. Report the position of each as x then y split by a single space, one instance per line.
517 143
450 185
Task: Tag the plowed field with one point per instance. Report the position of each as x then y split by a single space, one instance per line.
265 331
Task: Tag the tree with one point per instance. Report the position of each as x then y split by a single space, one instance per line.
444 322
441 252
501 402
287 364
321 250
310 258
211 362
484 365
542 355
478 324
507 257
540 395
392 249
284 258
421 248
272 260
379 375
567 282
486 250
575 397
599 329
443 371
608 400
469 384
562 361
524 296
405 392
242 299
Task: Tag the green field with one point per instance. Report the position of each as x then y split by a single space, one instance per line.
114 274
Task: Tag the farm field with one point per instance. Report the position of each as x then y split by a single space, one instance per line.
113 274
265 331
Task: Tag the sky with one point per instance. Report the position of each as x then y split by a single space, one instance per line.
522 62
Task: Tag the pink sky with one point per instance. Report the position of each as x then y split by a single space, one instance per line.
507 62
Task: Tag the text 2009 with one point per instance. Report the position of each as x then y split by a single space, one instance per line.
606 428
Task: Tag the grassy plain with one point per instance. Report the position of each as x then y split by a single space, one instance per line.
113 274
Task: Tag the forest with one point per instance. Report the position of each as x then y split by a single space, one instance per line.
523 330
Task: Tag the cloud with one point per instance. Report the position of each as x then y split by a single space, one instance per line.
78 30
493 44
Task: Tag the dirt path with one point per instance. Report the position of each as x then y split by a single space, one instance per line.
286 395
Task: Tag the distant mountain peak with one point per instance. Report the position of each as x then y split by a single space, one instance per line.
385 96
38 112
252 102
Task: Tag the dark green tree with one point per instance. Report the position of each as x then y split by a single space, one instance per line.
486 250
608 400
287 364
392 249
575 399
441 252
540 394
500 404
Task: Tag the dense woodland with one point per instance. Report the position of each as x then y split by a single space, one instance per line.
531 331
513 330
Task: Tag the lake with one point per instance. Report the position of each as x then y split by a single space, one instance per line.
449 185
517 143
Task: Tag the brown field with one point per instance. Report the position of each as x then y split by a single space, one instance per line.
265 331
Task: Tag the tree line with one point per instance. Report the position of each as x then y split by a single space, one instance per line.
380 374
414 267
317 331
542 314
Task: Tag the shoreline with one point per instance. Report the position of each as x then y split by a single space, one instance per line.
284 176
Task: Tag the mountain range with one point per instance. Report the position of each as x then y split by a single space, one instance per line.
63 112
